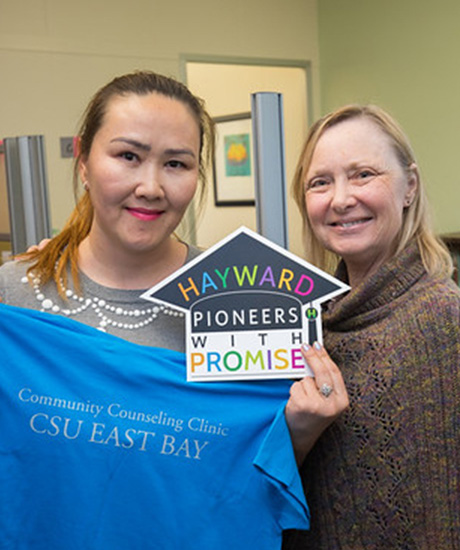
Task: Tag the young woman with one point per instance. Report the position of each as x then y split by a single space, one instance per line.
144 146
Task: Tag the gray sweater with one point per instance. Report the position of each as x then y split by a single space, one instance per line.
119 312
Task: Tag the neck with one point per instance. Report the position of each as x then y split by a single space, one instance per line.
357 273
131 270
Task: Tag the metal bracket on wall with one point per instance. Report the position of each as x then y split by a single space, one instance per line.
27 191
270 176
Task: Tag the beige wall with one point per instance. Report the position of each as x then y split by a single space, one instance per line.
55 53
404 56
401 54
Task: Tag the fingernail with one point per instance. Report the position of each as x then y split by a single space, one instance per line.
317 345
305 347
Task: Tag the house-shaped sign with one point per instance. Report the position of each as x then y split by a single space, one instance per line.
249 305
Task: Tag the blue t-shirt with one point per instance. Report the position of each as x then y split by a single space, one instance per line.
104 445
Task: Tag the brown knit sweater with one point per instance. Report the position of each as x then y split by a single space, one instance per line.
386 475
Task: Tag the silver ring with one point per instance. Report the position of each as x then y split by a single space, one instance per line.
326 390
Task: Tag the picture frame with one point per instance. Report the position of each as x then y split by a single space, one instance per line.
233 167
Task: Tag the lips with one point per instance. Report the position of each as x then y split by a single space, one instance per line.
145 214
347 224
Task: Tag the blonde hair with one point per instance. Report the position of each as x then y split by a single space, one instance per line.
61 253
416 220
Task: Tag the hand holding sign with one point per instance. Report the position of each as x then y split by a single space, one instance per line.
309 411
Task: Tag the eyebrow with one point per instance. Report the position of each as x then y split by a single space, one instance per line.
145 147
353 165
134 143
317 173
180 152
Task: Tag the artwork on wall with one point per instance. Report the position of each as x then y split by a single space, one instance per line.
234 161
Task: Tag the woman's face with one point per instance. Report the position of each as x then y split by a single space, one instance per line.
355 193
142 171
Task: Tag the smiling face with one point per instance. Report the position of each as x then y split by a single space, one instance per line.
355 194
141 172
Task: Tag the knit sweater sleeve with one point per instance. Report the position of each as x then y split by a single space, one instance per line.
436 419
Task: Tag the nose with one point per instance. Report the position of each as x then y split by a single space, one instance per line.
342 195
149 183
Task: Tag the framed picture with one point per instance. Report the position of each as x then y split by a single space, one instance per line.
234 161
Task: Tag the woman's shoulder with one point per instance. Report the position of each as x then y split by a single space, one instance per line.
12 269
439 290
436 302
12 274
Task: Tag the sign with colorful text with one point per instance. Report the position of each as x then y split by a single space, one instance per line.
249 306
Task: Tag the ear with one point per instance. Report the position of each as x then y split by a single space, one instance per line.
83 170
413 182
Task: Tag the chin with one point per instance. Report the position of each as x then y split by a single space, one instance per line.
349 253
351 246
140 246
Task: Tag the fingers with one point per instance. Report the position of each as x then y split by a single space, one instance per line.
326 373
32 248
40 246
323 395
317 360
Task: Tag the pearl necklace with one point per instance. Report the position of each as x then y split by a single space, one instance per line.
109 315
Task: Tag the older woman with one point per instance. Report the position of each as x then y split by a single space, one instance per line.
386 474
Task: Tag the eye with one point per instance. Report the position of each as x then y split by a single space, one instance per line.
363 175
174 163
317 184
129 156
